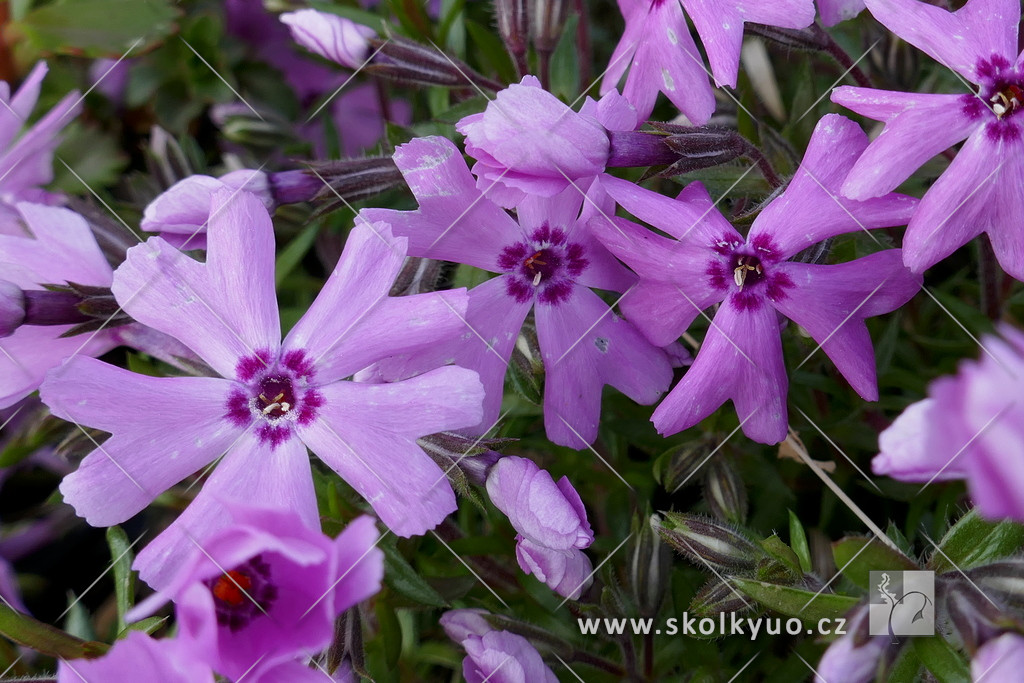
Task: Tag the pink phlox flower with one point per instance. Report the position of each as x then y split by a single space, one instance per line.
550 521
755 282
138 657
263 593
661 56
835 11
547 261
982 190
492 655
272 398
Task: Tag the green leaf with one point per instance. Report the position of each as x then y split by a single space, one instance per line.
44 638
292 255
795 602
148 625
491 50
942 660
782 552
798 542
974 541
124 577
400 576
857 556
390 632
565 66
97 28
94 158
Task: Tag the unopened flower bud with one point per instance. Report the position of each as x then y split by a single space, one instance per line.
547 19
724 491
679 464
408 62
1004 579
332 37
12 308
708 542
466 457
351 180
513 20
86 307
975 619
718 597
650 568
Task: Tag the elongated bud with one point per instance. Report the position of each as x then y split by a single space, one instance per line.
12 308
716 597
975 619
708 542
547 19
650 568
472 457
292 187
527 366
696 148
1003 579
418 275
512 17
631 149
679 464
724 491
240 124
353 180
410 63
794 39
346 648
332 37
86 307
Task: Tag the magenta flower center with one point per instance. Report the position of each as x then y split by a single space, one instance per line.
274 395
745 271
242 593
1000 93
545 265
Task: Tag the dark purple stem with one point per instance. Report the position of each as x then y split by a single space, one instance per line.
631 149
839 54
52 308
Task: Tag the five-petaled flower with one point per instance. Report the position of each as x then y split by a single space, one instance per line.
548 261
272 398
982 190
755 279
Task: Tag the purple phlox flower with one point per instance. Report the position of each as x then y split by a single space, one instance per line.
548 261
53 246
331 36
111 77
969 427
494 656
26 161
528 142
982 190
1000 659
835 11
755 282
550 520
272 398
138 657
180 214
854 657
660 54
266 589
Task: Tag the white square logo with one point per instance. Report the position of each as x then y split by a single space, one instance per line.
902 603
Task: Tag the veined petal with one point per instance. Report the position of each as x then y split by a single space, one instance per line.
906 448
63 250
917 127
454 221
14 111
585 346
674 285
812 209
251 472
124 474
720 26
622 56
832 301
28 163
1005 231
972 196
741 360
959 40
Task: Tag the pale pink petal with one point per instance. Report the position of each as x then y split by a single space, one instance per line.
15 111
958 40
835 11
906 448
832 301
999 659
741 360
28 163
917 127
251 472
63 249
622 56
127 471
1005 230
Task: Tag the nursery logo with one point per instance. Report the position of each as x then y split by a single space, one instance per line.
902 603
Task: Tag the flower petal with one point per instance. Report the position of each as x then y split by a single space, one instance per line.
251 472
125 473
585 346
62 249
741 360
832 301
917 127
905 448
811 208
958 40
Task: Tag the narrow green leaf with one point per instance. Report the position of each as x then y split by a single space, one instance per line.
124 578
85 27
402 578
974 541
795 602
293 254
565 64
44 638
390 632
798 542
857 556
942 660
